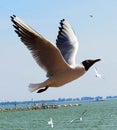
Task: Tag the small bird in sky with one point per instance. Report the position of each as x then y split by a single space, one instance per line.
91 16
97 74
57 60
50 122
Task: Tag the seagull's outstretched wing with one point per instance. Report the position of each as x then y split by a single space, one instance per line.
46 55
67 42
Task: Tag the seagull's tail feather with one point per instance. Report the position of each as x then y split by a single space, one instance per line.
34 87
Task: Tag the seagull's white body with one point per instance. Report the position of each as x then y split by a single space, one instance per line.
60 78
58 61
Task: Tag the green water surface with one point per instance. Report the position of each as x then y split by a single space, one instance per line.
100 115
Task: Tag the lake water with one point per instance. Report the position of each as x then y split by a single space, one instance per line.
100 115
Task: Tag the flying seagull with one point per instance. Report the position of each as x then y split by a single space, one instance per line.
97 74
76 120
79 119
57 60
50 122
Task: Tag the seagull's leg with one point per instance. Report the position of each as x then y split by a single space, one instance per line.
42 90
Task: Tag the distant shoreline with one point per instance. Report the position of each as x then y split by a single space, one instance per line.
47 104
86 98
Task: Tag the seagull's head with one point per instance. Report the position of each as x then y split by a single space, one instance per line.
88 63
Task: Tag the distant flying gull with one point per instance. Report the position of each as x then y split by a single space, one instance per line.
97 73
50 122
79 119
57 60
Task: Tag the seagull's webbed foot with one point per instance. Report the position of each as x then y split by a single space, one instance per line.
42 90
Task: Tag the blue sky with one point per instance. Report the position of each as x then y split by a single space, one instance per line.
97 38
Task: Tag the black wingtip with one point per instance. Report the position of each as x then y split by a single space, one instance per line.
61 22
12 17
